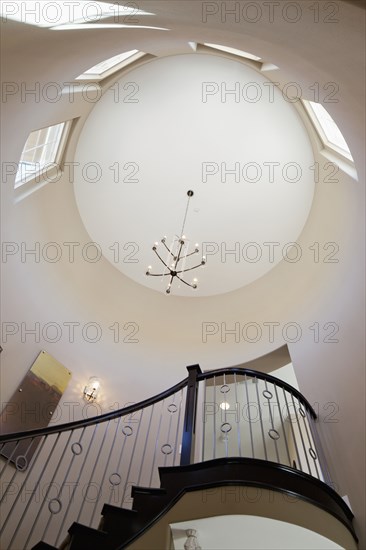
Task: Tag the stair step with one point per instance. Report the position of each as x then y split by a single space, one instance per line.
148 502
87 538
120 523
43 546
153 491
116 513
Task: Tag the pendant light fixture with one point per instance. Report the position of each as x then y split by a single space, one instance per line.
177 254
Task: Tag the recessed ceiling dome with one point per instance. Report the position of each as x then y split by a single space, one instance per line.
206 123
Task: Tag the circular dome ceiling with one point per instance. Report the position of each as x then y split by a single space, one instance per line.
205 123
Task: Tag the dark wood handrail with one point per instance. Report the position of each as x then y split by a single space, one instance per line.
94 419
262 376
152 400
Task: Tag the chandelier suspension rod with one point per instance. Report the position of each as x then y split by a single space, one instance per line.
190 195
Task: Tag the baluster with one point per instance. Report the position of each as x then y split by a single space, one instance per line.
76 485
261 418
226 424
237 415
283 427
105 469
45 496
59 494
274 435
156 443
133 453
214 423
204 420
292 429
178 426
93 470
169 428
311 450
145 445
301 437
319 449
249 414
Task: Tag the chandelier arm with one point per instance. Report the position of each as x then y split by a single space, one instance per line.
168 249
191 253
161 259
179 252
183 281
190 268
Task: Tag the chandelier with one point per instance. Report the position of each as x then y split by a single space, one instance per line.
177 254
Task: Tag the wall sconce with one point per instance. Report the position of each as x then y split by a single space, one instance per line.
92 389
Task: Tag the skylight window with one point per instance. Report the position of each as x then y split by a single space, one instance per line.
41 153
109 66
328 129
234 51
59 12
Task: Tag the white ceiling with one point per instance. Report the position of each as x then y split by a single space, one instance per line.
169 136
310 293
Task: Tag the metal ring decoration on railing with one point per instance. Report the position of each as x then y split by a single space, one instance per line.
115 479
116 455
18 466
76 448
58 508
273 434
167 449
312 453
226 427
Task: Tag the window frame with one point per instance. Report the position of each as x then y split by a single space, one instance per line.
94 77
341 153
46 174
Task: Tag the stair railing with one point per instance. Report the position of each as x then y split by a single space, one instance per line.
79 466
241 412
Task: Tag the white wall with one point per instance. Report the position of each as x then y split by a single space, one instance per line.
170 332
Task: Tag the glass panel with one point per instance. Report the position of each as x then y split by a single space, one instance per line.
40 149
331 131
103 66
234 51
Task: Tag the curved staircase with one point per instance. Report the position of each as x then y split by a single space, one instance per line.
225 429
120 527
